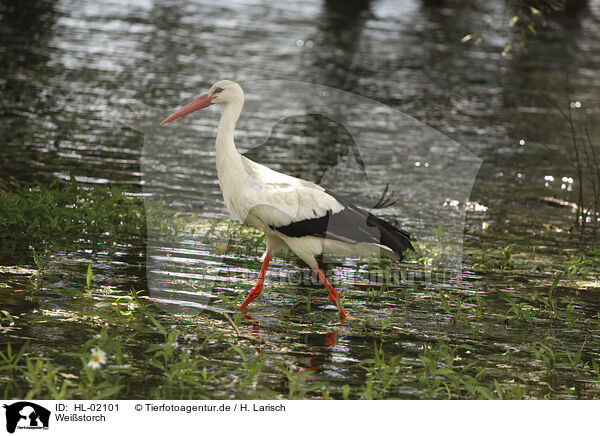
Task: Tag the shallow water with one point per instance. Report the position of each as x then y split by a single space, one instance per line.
69 68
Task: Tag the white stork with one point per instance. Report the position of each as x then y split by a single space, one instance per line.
293 213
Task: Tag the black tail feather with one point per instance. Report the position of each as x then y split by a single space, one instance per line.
352 225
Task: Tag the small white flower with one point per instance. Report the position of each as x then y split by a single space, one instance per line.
98 358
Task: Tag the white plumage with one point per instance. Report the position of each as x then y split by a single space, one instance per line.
278 199
293 213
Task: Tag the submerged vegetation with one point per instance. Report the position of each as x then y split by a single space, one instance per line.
436 341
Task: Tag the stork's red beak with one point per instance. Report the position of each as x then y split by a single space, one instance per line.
200 103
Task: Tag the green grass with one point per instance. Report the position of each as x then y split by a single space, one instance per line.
43 216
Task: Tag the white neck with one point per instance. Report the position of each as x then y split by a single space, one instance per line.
227 154
230 169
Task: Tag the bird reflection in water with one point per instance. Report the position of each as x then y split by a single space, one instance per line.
320 340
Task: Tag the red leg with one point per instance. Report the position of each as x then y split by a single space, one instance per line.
257 289
333 295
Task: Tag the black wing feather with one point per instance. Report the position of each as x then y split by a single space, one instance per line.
352 225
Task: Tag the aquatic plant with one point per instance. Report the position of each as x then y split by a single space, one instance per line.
42 216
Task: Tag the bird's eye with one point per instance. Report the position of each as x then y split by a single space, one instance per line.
218 90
